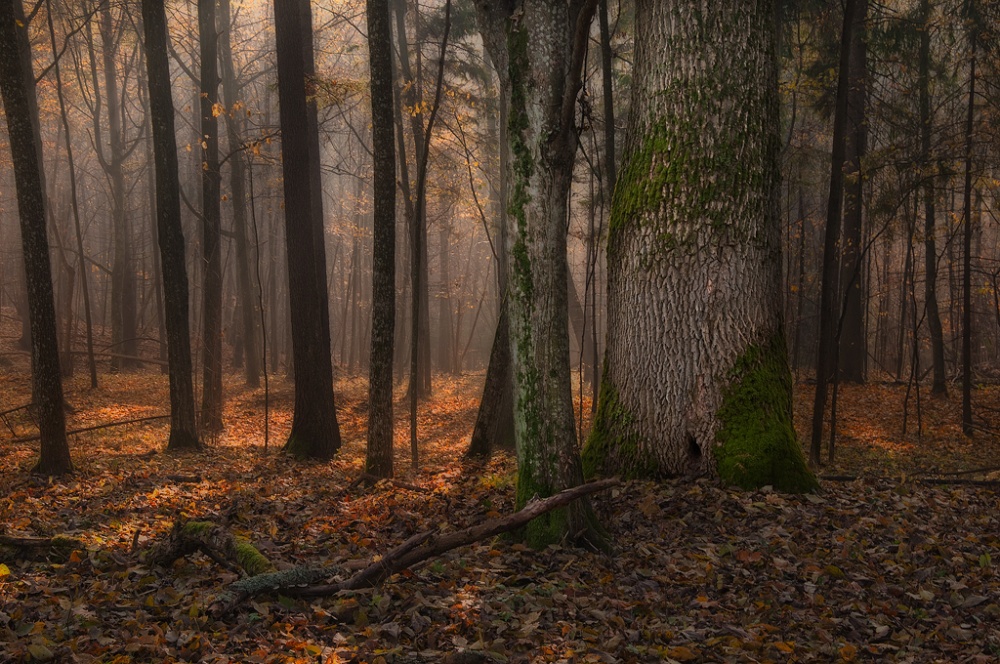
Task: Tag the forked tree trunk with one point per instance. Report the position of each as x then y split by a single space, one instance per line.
696 377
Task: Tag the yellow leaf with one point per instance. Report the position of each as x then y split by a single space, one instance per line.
785 647
217 109
4 570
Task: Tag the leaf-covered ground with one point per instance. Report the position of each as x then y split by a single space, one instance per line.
886 568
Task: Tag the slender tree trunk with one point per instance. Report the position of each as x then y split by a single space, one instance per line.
183 431
315 432
494 428
123 285
928 170
829 309
211 221
17 86
853 336
74 201
379 457
234 126
696 378
967 422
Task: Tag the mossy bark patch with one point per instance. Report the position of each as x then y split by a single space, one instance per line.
613 448
756 443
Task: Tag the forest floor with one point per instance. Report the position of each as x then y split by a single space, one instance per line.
883 568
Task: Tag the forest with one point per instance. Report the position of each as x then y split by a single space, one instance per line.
487 331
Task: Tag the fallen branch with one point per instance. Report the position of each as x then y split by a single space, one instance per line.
96 427
306 582
36 548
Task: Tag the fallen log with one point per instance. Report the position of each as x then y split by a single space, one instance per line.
214 541
56 548
96 427
308 582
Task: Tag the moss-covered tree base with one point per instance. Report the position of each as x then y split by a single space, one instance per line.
756 444
612 448
215 541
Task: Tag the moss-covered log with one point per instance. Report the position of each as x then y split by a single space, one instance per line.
55 549
214 541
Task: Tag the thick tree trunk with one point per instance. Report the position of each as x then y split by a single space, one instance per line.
183 431
853 336
543 45
928 169
315 432
696 378
17 86
379 457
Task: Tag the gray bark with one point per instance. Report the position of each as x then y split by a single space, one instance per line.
696 378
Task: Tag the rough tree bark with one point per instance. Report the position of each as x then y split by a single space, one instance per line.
183 430
17 85
543 44
380 420
211 220
696 378
315 432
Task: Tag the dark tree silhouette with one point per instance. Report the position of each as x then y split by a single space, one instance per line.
183 430
315 432
17 85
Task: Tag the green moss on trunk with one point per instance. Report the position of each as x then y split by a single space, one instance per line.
756 444
611 447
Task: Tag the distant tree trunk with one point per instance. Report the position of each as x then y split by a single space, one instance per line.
829 291
237 173
853 336
183 430
928 172
379 457
446 318
967 423
211 221
17 85
696 378
74 201
123 285
494 428
315 432
543 46
412 98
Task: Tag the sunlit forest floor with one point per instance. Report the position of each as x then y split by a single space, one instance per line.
884 568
